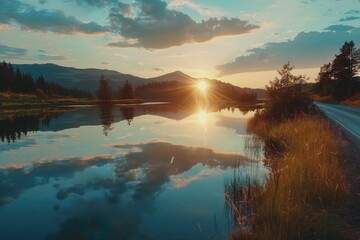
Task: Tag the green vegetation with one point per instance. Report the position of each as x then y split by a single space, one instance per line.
106 94
14 100
336 80
126 92
13 81
285 95
21 90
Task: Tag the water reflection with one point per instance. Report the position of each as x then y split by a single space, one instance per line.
241 189
129 188
151 178
128 114
13 128
107 118
14 180
203 117
254 147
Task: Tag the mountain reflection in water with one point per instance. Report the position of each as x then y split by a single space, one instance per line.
145 175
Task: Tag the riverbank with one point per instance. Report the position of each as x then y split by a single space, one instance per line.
307 193
13 100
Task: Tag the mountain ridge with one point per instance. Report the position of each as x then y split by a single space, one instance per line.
87 79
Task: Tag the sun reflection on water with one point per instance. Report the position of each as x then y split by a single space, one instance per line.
202 116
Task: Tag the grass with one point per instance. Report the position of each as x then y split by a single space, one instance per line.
306 191
353 101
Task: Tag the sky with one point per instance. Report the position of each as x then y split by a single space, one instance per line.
238 41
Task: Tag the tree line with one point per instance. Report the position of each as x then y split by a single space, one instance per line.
288 95
106 93
13 80
15 128
337 78
179 91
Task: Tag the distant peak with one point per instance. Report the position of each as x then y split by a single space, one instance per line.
176 73
179 73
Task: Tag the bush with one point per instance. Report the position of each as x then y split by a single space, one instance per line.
285 95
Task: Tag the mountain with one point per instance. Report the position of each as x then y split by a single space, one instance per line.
84 79
88 79
174 76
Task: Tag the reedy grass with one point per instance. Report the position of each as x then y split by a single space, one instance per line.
306 190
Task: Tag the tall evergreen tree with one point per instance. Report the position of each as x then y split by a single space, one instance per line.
105 90
127 91
18 82
40 83
345 64
335 79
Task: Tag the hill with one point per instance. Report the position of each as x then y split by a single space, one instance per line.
88 79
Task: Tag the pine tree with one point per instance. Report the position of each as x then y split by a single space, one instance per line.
127 91
105 90
40 83
344 65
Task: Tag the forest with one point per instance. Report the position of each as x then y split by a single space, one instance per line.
14 81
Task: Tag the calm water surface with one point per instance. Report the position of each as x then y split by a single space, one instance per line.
150 172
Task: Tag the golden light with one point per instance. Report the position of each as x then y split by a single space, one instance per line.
203 117
202 86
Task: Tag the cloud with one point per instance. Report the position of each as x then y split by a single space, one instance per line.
155 26
205 11
12 52
350 18
29 18
16 180
181 182
306 50
120 55
308 1
353 12
157 69
42 1
339 28
105 63
96 3
48 57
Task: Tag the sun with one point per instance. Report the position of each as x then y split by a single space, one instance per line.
202 86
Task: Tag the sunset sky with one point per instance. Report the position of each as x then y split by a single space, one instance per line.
236 41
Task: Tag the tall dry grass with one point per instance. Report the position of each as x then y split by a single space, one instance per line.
305 193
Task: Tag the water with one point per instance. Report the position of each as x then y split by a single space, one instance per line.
149 172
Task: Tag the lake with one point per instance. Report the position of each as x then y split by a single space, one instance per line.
111 172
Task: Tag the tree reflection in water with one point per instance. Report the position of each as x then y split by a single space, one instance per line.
13 128
128 114
107 118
